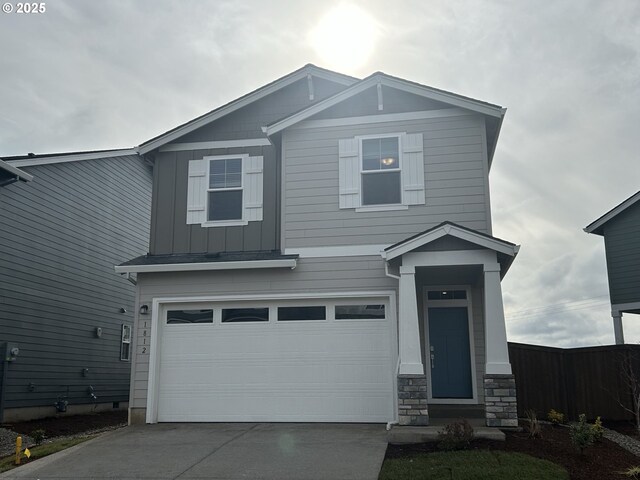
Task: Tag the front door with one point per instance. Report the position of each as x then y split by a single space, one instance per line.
449 352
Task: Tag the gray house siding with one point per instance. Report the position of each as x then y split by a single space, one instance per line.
622 246
170 232
456 184
61 236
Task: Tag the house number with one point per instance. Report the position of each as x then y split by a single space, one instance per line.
144 338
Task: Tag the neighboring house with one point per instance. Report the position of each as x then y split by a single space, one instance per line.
65 315
321 250
620 228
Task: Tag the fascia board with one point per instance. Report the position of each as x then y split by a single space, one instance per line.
205 266
44 160
241 102
611 214
13 170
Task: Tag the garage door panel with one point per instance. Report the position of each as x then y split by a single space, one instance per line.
325 371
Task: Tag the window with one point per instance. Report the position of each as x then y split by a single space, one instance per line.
225 189
381 171
447 295
189 316
301 313
351 312
238 315
125 346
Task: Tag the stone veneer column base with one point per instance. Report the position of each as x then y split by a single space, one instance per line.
412 400
501 408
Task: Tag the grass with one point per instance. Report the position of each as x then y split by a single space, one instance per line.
40 451
471 465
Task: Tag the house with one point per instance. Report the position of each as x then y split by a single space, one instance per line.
65 315
321 250
620 228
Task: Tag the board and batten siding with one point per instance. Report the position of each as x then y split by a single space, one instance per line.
456 184
622 246
61 236
170 233
337 275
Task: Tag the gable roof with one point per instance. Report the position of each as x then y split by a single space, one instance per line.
392 82
10 174
506 250
596 225
238 103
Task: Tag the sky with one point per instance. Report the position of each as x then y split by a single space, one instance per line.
111 74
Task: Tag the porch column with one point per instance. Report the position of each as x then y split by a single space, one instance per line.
497 353
617 327
408 331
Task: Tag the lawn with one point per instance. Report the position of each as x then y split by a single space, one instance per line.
40 451
476 465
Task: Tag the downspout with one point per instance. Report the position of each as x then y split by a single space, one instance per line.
395 420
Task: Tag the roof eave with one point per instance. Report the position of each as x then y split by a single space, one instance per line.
595 226
207 266
18 174
243 101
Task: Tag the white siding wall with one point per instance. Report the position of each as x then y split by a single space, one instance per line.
455 181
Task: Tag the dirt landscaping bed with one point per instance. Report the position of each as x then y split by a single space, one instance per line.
67 425
604 459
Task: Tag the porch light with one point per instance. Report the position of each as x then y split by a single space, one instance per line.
144 309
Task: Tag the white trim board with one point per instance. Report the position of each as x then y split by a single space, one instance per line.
16 172
249 142
618 308
382 118
337 251
244 101
76 157
206 266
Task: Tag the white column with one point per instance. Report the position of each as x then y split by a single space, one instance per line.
618 334
497 353
408 330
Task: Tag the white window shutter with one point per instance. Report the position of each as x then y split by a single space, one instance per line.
253 188
349 172
413 169
197 192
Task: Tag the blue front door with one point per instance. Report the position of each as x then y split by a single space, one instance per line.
448 352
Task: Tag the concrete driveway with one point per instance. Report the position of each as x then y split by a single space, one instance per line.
221 451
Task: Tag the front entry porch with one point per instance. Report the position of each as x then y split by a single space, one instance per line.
452 338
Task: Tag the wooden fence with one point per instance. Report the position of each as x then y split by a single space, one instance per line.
586 380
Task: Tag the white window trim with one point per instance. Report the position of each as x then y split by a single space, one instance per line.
225 223
450 303
383 206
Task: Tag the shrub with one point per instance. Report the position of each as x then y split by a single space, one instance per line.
455 436
581 433
556 418
533 425
38 436
633 472
598 429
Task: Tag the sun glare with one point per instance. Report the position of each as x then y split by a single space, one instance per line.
345 37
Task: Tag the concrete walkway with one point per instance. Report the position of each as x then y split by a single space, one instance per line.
220 451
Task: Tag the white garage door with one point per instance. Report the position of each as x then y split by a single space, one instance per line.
304 361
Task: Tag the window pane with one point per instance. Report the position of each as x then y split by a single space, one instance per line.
225 173
234 165
125 351
234 180
346 312
189 316
301 313
371 163
225 205
245 315
217 167
217 181
447 294
389 147
381 188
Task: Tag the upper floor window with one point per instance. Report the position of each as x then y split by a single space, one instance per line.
225 190
381 172
381 184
